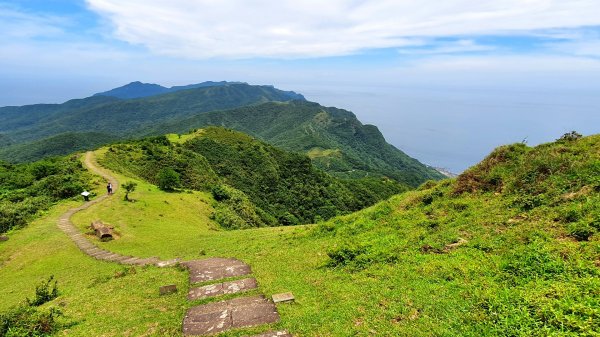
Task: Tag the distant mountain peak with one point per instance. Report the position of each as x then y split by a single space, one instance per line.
139 89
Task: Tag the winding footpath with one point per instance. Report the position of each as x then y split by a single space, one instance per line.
200 320
65 224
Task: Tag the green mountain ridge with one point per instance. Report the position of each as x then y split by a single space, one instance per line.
139 89
120 117
258 184
334 138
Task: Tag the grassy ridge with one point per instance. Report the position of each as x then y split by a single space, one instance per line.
442 260
270 186
492 253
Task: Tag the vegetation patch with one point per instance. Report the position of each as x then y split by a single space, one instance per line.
28 189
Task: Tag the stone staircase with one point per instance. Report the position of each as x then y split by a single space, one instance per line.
241 312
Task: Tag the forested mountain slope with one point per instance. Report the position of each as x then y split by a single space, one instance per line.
333 138
256 184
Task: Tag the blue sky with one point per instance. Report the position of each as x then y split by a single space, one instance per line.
445 81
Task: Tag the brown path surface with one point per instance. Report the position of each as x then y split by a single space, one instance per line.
65 224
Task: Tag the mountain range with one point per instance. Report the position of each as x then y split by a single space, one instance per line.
333 138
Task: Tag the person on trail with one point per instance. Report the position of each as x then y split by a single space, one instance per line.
109 188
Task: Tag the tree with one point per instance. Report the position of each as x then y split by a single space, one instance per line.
168 179
129 187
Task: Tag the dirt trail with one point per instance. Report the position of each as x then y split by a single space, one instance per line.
65 224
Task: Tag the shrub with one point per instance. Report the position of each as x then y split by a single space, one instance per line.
44 292
220 193
168 179
28 321
581 231
345 254
570 136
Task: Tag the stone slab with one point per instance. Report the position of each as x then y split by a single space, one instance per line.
216 269
168 263
212 318
274 334
285 297
224 288
166 290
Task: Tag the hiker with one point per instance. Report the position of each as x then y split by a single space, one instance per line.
109 188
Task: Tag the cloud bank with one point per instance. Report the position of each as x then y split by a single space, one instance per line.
316 28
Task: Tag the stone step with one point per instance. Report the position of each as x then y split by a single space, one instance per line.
217 317
168 263
216 269
224 288
147 261
130 260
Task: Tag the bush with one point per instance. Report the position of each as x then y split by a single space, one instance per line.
220 193
581 231
570 136
345 254
26 320
44 292
168 179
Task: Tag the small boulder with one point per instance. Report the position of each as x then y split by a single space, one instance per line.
3 238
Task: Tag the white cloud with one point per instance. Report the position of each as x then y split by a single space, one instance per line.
315 28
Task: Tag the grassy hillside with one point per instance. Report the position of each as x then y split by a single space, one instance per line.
510 248
335 139
256 184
